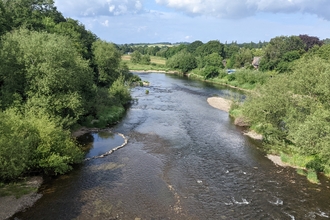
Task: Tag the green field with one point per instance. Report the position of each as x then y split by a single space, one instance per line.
156 63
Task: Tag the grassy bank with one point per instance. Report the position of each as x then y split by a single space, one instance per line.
156 63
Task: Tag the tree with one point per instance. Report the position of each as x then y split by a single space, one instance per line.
82 39
243 58
30 13
230 50
310 41
183 61
145 59
136 57
191 48
277 47
33 142
5 20
107 60
49 73
210 47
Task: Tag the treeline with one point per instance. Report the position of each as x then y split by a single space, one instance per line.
54 76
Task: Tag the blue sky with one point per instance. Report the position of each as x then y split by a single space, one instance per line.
151 21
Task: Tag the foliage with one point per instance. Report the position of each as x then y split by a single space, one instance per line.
53 74
183 61
276 48
120 91
145 59
191 48
210 72
32 143
210 47
293 111
136 57
109 115
107 59
310 41
44 71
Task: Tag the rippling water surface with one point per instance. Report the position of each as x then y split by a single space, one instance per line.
184 160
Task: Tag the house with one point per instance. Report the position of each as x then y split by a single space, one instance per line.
256 62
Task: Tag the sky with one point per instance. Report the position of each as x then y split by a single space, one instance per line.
152 21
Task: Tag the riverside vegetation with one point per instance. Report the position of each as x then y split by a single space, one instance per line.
55 76
289 98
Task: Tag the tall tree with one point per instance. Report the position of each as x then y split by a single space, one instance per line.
310 41
107 59
277 47
49 74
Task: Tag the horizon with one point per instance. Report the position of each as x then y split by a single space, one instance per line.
136 21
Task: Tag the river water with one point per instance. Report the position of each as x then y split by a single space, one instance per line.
184 160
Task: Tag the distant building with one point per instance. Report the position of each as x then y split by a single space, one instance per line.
256 62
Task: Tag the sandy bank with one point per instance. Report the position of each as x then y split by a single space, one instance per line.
220 103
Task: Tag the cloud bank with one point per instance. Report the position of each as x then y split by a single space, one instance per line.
90 8
246 8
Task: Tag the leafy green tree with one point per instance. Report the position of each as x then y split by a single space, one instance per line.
82 39
230 50
5 20
210 47
191 48
49 72
214 59
287 61
210 72
243 58
30 13
136 57
145 59
183 61
277 47
107 59
33 142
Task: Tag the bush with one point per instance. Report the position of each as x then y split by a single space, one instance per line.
109 115
34 143
210 72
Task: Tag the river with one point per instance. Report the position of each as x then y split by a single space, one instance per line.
184 160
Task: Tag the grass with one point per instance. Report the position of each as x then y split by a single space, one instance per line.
301 162
312 176
156 64
16 189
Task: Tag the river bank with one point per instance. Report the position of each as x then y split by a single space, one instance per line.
11 204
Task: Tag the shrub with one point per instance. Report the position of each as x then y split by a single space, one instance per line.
34 143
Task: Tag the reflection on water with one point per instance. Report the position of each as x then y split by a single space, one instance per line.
102 142
184 160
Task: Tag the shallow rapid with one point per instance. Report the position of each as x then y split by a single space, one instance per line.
184 160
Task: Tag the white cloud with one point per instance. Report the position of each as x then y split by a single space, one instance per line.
105 23
88 8
245 8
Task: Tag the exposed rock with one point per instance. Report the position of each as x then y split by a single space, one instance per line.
242 122
254 135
